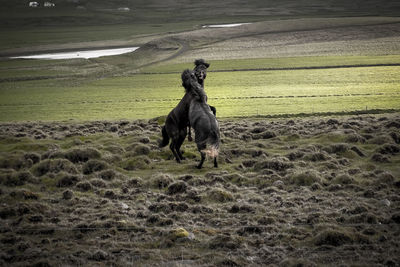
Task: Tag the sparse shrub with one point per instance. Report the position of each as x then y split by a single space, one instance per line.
84 186
333 238
67 180
277 164
160 180
363 218
343 179
248 163
355 138
316 156
135 182
337 148
142 150
250 229
357 151
306 178
224 241
386 177
54 166
113 128
380 158
380 140
115 149
396 218
293 262
110 194
67 194
396 137
34 157
220 195
15 162
94 165
295 155
16 178
332 122
136 163
108 174
82 154
266 220
98 183
144 140
389 149
177 187
7 212
99 255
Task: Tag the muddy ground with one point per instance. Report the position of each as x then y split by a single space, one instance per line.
290 192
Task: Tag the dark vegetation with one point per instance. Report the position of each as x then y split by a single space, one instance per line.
290 192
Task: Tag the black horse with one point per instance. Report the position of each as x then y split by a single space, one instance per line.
204 123
200 71
177 121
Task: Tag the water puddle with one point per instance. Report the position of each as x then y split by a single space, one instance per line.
82 54
225 25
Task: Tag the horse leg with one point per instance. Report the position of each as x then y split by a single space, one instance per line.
172 146
203 157
215 162
190 139
179 143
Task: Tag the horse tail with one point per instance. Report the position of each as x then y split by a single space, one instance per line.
213 140
165 140
212 151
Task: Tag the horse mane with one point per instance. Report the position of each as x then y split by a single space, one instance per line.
192 86
200 62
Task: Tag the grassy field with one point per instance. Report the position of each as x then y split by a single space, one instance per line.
304 178
294 191
234 93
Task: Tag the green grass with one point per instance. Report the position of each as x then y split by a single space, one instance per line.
277 63
234 93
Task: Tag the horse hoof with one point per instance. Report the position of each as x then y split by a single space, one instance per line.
198 167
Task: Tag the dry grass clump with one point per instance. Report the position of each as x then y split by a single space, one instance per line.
141 150
15 161
224 241
160 180
107 175
136 163
94 165
316 156
377 157
333 238
305 178
54 166
34 157
389 149
293 262
220 195
67 180
337 148
343 179
177 187
17 178
277 164
84 186
98 183
82 154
